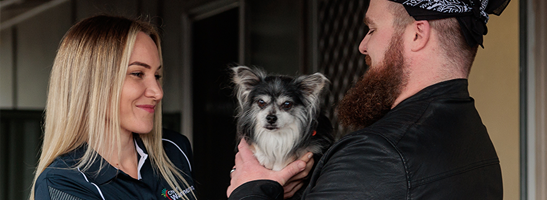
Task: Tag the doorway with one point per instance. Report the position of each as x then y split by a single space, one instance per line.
214 49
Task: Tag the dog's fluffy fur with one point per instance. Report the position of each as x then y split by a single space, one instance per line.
278 115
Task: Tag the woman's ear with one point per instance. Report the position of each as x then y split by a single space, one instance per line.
421 35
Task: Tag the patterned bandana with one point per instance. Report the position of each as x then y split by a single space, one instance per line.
471 14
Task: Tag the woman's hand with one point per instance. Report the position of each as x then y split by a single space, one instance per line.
247 168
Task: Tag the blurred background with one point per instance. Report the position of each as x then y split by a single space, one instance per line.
201 39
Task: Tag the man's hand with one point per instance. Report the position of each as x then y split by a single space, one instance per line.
296 182
247 168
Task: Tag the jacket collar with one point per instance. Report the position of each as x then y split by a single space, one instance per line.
455 88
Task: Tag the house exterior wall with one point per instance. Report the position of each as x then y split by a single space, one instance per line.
494 83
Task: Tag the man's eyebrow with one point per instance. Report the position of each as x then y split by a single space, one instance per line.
142 64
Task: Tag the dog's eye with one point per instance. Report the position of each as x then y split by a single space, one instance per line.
287 105
261 103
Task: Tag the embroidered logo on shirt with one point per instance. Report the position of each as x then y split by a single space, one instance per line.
172 194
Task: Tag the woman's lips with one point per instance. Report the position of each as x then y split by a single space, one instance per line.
148 108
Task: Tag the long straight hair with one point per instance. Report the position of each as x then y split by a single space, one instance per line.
84 96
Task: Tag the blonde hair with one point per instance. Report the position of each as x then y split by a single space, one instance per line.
84 96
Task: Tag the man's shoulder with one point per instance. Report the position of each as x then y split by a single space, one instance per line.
393 127
440 102
365 141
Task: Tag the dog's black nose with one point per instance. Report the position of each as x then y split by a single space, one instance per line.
271 119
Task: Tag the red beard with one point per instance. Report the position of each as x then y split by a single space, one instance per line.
373 95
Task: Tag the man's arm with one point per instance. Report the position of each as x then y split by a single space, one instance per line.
247 169
359 167
356 167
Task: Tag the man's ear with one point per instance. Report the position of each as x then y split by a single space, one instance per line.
421 35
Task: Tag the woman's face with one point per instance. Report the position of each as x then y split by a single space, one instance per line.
141 90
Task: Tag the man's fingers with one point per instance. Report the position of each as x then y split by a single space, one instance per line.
290 170
306 157
231 187
238 159
306 171
244 147
302 175
296 182
229 191
244 150
242 143
245 153
293 189
248 168
290 187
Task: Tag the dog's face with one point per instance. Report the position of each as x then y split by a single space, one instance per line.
278 115
276 103
276 109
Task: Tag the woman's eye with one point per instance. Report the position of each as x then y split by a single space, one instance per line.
157 76
370 32
287 105
137 74
261 103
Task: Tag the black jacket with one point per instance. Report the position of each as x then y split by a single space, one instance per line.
432 145
60 181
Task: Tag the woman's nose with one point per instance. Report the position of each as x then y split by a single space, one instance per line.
154 90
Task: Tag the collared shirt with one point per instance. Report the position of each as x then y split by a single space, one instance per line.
61 181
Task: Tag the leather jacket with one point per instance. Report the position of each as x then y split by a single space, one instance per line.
432 145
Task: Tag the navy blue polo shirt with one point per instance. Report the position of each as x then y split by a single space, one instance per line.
60 181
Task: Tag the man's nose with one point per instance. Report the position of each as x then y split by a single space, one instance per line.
363 45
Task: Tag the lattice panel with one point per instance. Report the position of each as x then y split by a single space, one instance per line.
341 29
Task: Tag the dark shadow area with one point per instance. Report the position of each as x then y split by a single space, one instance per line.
215 48
20 140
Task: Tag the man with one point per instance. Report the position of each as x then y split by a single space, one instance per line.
421 135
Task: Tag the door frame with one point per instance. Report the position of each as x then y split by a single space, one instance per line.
533 99
186 83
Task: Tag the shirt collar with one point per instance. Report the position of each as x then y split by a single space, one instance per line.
101 171
142 155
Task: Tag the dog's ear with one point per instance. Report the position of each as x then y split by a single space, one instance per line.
245 79
314 84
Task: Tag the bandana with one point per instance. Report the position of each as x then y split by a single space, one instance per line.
471 14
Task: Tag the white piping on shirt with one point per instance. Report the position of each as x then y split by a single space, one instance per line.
187 160
98 189
141 160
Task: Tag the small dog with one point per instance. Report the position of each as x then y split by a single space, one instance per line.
280 117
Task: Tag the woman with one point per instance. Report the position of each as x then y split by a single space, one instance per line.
103 136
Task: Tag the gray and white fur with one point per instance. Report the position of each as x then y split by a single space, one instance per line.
278 115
